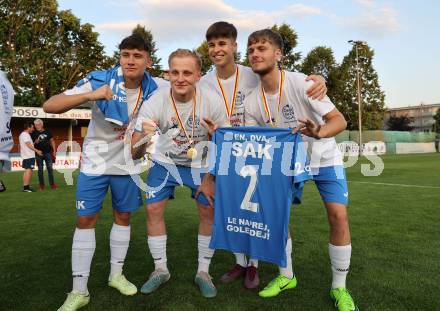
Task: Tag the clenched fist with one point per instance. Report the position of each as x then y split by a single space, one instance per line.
149 127
104 92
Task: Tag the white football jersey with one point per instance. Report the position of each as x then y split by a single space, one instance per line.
247 81
25 151
103 148
295 105
172 145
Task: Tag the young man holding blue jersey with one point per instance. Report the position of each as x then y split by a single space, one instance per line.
280 100
232 83
103 162
185 115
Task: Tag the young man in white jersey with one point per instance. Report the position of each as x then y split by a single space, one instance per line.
27 153
187 114
103 165
280 100
233 83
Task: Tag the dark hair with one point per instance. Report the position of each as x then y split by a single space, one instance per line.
185 53
135 42
28 124
266 35
221 30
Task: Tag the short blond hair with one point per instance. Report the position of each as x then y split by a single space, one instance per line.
38 121
185 53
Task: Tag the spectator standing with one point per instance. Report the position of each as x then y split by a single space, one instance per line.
43 140
27 152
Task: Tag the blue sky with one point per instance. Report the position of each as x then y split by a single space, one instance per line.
404 34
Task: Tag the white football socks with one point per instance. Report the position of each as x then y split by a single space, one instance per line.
119 241
288 270
83 248
253 262
340 260
240 259
205 253
158 250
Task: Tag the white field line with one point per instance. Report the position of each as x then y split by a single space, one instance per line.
398 185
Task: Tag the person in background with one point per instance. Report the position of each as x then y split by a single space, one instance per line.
27 152
43 140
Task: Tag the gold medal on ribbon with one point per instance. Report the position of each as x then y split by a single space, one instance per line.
272 120
191 152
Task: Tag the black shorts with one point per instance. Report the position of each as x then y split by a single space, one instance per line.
28 163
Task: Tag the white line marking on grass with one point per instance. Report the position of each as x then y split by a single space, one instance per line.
388 184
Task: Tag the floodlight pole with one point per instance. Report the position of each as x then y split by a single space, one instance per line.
359 99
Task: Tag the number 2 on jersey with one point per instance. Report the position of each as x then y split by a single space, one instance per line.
246 204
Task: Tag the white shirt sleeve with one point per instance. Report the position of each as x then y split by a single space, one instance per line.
321 107
26 138
161 82
85 88
76 90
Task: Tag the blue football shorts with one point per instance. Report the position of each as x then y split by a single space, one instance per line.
91 191
331 182
163 178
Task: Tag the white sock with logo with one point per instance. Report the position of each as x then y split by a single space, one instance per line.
205 253
288 270
340 260
119 241
240 259
83 248
158 249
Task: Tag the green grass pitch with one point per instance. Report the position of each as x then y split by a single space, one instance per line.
395 236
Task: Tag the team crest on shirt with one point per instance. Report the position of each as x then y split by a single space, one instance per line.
189 122
239 99
288 112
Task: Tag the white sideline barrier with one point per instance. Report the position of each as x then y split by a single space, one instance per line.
374 147
351 148
405 148
62 162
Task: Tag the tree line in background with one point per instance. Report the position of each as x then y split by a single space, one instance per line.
46 50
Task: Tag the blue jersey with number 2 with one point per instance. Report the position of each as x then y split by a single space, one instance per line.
258 172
